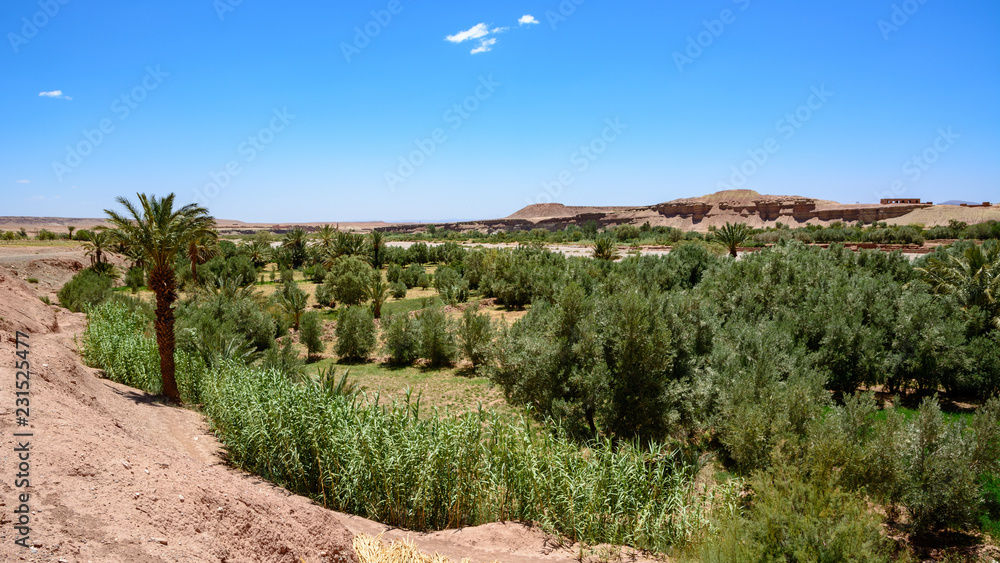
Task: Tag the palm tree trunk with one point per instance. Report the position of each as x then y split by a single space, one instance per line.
162 282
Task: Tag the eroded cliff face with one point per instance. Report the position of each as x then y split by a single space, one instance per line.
788 209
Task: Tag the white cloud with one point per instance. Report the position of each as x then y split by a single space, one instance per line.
54 94
485 46
24 181
482 32
475 32
36 198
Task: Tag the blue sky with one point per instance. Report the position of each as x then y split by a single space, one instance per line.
380 110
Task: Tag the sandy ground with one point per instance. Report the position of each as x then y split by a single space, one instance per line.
117 477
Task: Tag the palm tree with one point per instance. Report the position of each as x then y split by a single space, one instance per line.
327 239
259 253
376 249
733 235
295 245
158 232
97 243
293 302
973 277
200 250
378 291
605 248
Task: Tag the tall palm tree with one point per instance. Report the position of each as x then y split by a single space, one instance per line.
376 249
733 235
158 232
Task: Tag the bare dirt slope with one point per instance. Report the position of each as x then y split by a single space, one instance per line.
118 477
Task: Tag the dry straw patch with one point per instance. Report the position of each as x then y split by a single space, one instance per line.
374 550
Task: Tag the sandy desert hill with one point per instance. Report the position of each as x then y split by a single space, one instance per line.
692 214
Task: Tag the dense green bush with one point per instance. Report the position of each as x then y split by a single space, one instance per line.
453 287
85 288
349 279
311 333
402 339
794 519
224 317
475 333
437 340
398 290
355 333
135 279
324 296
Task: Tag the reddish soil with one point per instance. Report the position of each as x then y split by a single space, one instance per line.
116 476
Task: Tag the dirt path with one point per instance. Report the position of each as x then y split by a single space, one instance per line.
117 477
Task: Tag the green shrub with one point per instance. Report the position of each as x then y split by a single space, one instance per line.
943 490
349 279
437 342
476 336
355 333
411 275
324 296
86 288
311 333
402 339
394 273
135 279
793 519
224 321
398 290
452 287
46 234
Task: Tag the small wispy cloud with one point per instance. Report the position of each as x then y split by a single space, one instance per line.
475 32
485 46
24 181
481 31
55 94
